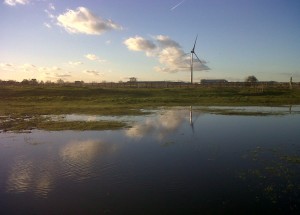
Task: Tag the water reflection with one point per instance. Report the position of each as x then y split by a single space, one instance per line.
230 161
78 157
26 175
159 126
20 176
39 173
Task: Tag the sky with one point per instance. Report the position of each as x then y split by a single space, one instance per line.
113 40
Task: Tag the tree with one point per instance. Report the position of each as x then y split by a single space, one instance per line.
25 82
60 81
251 79
33 82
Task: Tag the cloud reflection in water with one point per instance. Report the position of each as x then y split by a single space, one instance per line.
28 175
38 173
159 126
78 157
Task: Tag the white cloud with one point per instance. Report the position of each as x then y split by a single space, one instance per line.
172 60
84 21
49 69
3 65
92 72
50 15
51 6
7 67
47 25
170 54
28 67
15 2
62 75
91 57
53 73
138 43
76 63
28 71
94 57
165 41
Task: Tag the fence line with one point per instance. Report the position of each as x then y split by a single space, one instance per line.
166 84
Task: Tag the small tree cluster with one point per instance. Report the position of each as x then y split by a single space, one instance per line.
251 79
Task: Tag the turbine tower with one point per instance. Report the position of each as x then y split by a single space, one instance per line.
192 59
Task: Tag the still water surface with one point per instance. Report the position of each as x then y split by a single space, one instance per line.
172 161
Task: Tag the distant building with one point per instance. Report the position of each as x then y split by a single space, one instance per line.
213 81
78 83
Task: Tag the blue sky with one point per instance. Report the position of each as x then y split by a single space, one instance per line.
101 40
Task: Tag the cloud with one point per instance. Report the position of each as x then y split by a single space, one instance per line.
138 43
15 2
169 53
84 21
49 69
94 57
165 41
53 73
91 57
63 75
28 70
50 15
76 63
5 65
47 25
27 67
51 6
92 72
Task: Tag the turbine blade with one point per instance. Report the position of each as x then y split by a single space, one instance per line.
193 50
198 58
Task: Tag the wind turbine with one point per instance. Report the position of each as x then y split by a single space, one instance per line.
192 59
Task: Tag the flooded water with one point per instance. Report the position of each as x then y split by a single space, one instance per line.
173 161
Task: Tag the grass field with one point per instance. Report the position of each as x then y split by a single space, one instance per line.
18 102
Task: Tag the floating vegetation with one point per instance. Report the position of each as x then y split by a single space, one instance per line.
250 110
26 124
275 175
291 159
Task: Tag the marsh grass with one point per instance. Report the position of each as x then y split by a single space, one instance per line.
45 123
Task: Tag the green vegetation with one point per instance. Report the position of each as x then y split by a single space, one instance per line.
39 122
20 102
271 165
